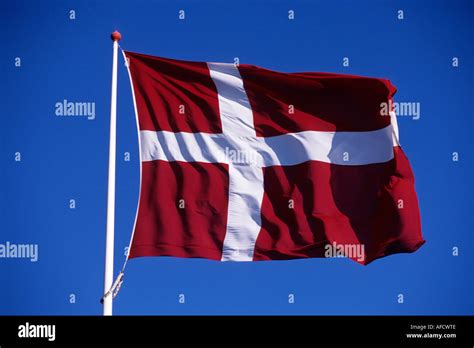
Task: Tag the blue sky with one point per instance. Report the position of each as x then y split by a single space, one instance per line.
66 158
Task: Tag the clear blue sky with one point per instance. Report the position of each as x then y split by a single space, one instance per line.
66 158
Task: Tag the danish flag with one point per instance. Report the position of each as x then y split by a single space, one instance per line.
240 163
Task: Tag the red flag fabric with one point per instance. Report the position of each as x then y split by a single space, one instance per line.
241 163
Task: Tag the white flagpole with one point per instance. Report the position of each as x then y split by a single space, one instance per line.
109 239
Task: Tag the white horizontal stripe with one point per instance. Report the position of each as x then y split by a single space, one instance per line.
187 147
344 148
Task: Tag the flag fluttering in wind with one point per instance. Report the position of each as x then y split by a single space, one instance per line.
241 163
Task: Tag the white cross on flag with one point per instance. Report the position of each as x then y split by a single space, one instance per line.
240 163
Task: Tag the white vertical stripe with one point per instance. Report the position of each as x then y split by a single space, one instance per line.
395 135
243 217
245 180
234 106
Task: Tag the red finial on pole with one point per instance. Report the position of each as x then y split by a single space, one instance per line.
116 36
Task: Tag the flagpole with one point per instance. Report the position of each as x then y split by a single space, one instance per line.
109 238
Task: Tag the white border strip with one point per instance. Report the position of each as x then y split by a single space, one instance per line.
127 63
